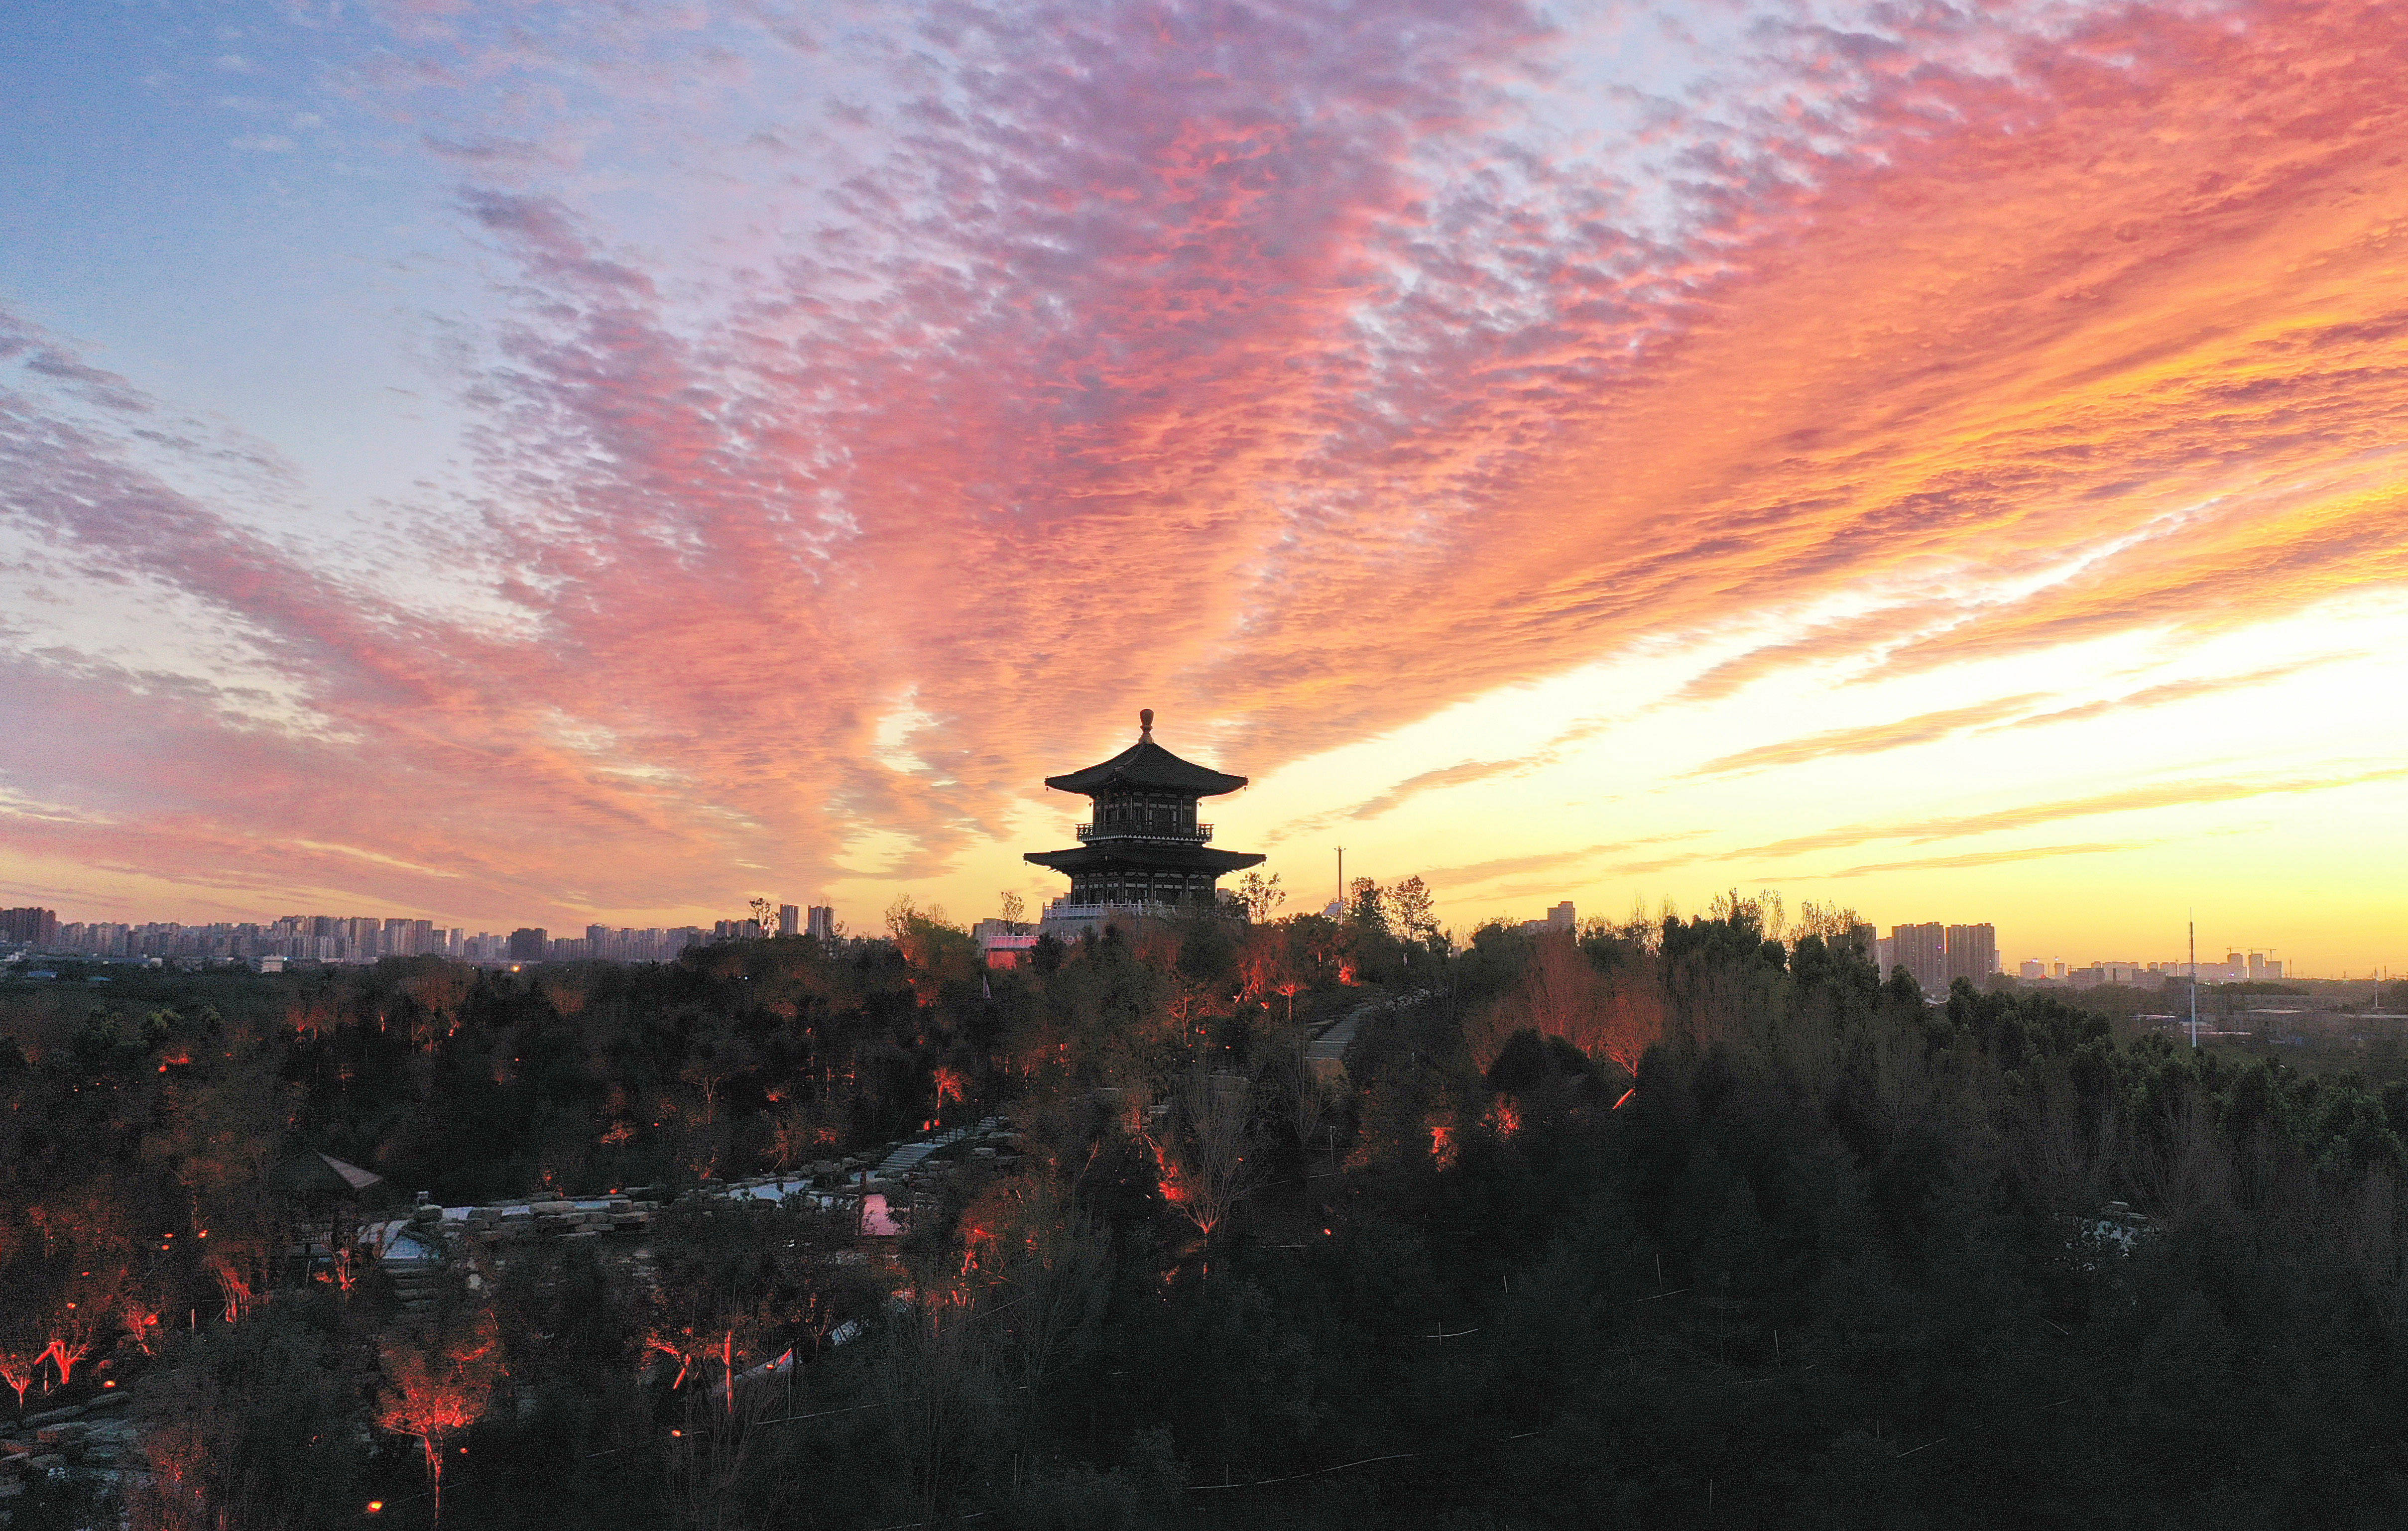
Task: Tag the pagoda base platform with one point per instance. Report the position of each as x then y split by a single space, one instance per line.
1067 922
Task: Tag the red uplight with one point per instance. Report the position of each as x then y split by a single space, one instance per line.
375 1505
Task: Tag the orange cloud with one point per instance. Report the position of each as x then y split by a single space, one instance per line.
2024 816
1995 858
2175 690
1921 729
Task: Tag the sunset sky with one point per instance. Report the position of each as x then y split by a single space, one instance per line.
518 463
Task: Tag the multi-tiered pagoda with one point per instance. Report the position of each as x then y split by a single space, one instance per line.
1144 851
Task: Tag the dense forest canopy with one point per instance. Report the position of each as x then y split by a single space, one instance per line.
1682 1222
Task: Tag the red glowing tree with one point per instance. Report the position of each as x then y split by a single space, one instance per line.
1270 965
17 1365
1206 1163
1444 1147
233 1274
436 1387
78 1325
1563 993
139 1312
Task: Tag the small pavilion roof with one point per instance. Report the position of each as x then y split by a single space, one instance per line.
1146 763
323 1173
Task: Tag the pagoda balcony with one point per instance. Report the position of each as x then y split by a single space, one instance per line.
1198 835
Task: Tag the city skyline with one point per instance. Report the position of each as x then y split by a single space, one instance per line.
554 468
2243 963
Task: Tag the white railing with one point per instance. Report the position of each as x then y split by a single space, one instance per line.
1199 834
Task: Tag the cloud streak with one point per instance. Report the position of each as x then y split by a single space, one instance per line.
2140 799
1921 729
1994 858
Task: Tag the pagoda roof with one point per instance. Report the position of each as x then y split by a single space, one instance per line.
1145 855
1146 763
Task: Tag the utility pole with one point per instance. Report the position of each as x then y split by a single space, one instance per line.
2194 983
1342 883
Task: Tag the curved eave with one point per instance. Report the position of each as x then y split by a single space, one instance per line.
1149 855
1146 763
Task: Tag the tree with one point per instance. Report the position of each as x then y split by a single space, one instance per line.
1014 907
1260 894
252 1427
1027 1237
1268 966
18 1362
85 1317
1208 1166
137 1308
765 915
1562 994
739 1285
1410 902
1366 904
1834 922
441 1384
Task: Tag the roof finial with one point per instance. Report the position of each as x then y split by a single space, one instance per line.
1144 723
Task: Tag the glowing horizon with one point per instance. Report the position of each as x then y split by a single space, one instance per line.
515 467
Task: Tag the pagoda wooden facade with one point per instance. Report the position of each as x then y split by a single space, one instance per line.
1143 850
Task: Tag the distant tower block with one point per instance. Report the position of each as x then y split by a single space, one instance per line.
1142 851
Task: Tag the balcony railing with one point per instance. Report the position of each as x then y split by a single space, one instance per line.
1198 835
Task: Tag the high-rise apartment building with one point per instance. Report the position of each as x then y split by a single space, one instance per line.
821 922
1939 954
790 920
1922 950
37 927
530 944
1972 952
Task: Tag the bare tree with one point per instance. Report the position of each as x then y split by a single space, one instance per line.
438 1388
1410 902
1260 894
1562 994
1209 1165
938 1382
1834 922
1055 1281
1312 1107
1764 910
